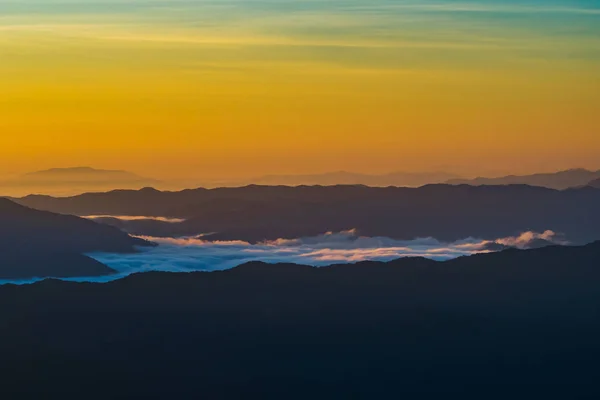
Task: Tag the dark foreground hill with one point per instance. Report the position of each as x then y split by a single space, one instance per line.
515 324
40 243
256 213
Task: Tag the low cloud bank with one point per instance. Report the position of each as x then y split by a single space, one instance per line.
197 254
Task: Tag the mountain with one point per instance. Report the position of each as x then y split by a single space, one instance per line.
256 213
559 180
515 324
65 181
348 178
39 243
83 174
594 183
24 265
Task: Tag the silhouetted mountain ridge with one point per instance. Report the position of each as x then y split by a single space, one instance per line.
257 213
519 324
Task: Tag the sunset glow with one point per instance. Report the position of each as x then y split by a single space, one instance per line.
237 88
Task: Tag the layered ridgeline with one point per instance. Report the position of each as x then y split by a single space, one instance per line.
256 213
561 180
554 180
39 243
519 324
595 183
409 179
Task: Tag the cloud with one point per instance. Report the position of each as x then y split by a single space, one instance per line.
527 239
311 30
196 254
133 218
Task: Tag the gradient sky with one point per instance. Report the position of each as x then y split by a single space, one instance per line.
235 88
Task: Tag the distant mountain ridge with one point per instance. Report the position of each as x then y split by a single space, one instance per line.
557 180
256 213
70 170
80 171
68 181
78 180
82 174
409 179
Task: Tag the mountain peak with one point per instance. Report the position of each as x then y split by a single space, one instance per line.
75 170
73 180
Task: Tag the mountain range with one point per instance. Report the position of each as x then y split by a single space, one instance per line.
408 179
557 180
514 324
68 181
257 213
78 180
39 243
554 180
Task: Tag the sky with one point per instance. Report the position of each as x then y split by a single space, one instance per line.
240 88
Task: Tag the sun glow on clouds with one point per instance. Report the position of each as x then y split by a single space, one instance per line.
134 218
196 254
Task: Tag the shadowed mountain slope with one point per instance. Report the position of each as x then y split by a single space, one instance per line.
522 324
40 243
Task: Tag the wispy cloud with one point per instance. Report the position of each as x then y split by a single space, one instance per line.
352 24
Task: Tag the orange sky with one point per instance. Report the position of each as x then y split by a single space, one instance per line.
236 89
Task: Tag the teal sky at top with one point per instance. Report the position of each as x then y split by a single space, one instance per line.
362 34
334 19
